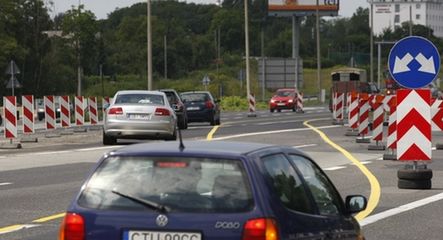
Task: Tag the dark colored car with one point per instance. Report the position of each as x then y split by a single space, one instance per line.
285 98
201 106
209 190
178 106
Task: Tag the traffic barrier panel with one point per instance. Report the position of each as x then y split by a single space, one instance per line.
363 126
300 102
65 111
79 111
353 114
106 101
50 115
28 114
391 142
251 101
414 125
93 110
377 124
10 110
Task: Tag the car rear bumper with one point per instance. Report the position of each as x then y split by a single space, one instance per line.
200 116
146 129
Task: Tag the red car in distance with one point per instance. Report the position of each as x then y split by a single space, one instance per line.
284 98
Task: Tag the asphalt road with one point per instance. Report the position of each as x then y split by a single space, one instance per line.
39 180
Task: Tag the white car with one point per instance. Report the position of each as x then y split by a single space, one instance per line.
139 114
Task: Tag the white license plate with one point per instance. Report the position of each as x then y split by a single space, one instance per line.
151 235
192 108
281 104
139 116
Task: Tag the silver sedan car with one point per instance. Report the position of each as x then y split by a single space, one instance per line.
138 114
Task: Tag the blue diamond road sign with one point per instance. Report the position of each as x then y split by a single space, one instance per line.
414 62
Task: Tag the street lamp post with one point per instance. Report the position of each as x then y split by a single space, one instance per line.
149 47
318 52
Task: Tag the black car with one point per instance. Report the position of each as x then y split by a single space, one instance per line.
201 107
178 106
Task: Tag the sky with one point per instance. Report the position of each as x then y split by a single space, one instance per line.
101 8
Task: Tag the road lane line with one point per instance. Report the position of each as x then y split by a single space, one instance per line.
333 168
211 133
49 218
306 145
5 183
394 211
14 228
374 197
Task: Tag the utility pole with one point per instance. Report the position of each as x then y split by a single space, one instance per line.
318 51
371 58
149 47
166 56
79 67
248 87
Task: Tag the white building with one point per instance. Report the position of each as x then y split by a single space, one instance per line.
392 13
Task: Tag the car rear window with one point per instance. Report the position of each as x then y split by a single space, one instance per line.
180 184
195 97
140 99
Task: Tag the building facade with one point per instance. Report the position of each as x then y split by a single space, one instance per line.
392 13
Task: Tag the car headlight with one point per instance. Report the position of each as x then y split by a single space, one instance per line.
290 101
272 101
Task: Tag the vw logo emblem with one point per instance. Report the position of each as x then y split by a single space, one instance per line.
161 220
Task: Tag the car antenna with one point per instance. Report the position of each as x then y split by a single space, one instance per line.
181 146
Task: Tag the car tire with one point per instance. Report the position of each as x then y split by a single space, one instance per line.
173 137
213 121
271 110
109 140
411 174
278 110
414 184
217 122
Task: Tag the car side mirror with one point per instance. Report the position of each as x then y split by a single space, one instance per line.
355 203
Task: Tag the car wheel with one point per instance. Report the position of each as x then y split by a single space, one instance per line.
271 110
411 174
414 184
278 110
213 121
109 140
173 137
294 109
217 122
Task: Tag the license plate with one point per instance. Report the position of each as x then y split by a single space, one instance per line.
151 235
281 104
192 108
139 116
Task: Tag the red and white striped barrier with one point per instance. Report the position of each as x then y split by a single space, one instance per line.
363 127
414 125
353 111
348 104
377 123
10 109
391 141
50 117
28 114
79 111
65 111
437 115
387 106
106 101
334 106
251 101
92 104
300 102
339 106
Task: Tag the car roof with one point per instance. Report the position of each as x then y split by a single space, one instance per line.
196 147
285 89
138 92
189 92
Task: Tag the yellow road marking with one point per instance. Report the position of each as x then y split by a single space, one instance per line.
11 228
374 197
211 133
49 218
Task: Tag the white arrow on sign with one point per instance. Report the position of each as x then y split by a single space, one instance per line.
401 65
427 65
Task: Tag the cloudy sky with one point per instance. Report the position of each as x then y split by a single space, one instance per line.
101 8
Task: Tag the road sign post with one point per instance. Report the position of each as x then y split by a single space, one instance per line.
414 63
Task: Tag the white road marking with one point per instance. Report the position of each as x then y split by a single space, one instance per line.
306 145
333 168
365 162
394 211
5 183
17 228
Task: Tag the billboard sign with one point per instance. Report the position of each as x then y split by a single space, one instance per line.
302 7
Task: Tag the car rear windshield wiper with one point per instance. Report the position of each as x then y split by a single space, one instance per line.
144 202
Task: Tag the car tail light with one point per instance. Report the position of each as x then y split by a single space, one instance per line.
260 229
162 112
209 105
115 111
72 228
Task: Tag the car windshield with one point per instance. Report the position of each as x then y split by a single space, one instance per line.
284 93
195 97
139 99
179 184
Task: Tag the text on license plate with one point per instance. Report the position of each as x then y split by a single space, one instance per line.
280 104
138 116
192 108
151 235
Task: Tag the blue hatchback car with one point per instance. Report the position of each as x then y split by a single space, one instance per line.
209 190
